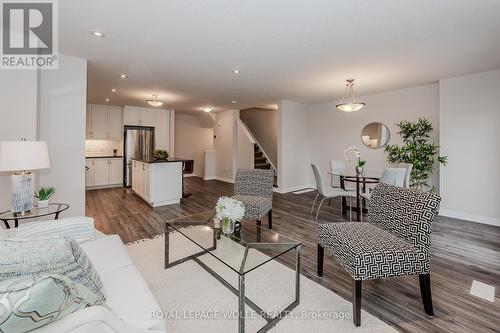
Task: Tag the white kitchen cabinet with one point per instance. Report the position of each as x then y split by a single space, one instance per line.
131 116
158 184
162 129
103 172
89 173
99 123
115 124
115 171
148 117
104 122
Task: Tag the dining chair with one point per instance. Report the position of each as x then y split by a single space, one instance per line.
328 192
338 168
409 168
390 176
395 241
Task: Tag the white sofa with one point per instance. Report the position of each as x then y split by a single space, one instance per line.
129 302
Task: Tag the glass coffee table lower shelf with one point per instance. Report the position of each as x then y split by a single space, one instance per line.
224 256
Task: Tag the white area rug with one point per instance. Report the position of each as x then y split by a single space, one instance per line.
194 301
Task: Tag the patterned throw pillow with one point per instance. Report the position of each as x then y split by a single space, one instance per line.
32 302
56 255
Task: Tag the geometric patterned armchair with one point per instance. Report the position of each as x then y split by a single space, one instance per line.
394 242
254 187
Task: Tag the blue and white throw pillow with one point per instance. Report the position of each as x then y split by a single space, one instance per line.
32 302
53 255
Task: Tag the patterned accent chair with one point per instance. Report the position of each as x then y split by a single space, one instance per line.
395 242
254 187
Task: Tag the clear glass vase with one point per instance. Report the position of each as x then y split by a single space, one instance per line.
227 226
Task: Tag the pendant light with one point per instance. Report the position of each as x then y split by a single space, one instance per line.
154 102
350 104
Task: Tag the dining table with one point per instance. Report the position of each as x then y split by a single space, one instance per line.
361 185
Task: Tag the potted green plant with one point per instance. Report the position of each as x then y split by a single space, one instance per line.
43 195
417 150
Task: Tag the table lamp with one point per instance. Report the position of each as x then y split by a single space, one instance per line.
22 157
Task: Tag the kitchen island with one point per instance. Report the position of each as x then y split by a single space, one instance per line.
158 182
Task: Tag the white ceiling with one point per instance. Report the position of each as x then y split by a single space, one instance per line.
186 50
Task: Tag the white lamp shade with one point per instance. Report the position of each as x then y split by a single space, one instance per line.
23 155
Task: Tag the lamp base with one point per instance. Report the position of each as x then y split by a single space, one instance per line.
22 187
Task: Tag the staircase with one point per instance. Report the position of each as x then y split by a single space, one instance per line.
260 161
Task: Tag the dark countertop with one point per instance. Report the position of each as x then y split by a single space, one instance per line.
111 156
170 160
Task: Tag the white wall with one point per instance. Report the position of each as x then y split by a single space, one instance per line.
18 116
263 124
470 136
62 107
191 139
294 162
225 145
245 148
332 131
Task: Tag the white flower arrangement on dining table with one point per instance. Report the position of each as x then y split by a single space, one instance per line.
229 209
352 153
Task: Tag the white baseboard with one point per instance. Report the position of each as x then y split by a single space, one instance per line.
210 178
470 217
293 188
222 179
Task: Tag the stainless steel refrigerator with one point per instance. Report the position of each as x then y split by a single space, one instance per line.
139 143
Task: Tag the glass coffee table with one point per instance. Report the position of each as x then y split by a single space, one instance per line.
251 247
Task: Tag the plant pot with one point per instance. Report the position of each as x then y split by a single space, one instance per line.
227 227
43 203
359 171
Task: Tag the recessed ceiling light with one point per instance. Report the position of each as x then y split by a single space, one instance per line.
98 34
236 71
113 90
207 109
234 102
107 99
123 76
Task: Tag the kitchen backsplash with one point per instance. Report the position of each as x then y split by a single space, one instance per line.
96 148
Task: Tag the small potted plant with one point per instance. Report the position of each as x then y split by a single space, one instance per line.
229 211
160 154
352 153
43 195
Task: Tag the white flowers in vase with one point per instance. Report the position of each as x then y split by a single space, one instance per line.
352 153
229 211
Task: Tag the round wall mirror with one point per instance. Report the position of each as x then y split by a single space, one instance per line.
375 135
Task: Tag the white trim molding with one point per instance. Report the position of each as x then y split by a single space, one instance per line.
470 217
294 188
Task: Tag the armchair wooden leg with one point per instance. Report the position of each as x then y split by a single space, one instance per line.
425 290
356 302
270 218
321 255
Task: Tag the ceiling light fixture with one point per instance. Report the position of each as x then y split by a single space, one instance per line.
123 76
207 109
351 104
236 71
154 102
234 102
98 34
113 90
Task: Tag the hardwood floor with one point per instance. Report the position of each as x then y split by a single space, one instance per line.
461 252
